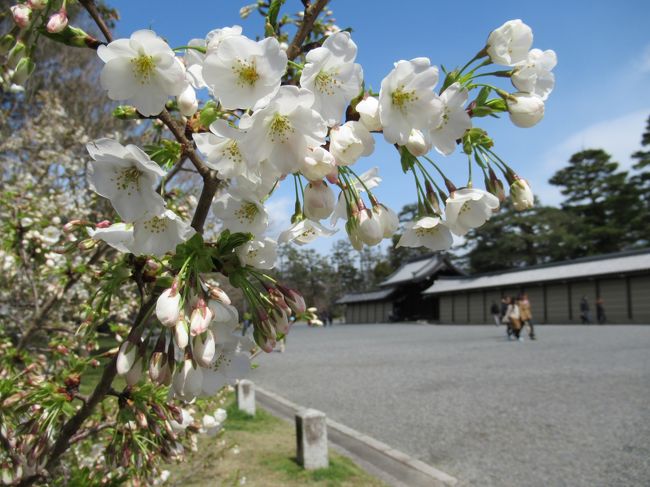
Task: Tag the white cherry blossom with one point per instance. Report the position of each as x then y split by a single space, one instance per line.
304 232
318 164
241 72
126 176
525 109
260 254
119 236
469 208
534 74
368 110
284 131
429 231
332 75
142 71
222 149
407 100
419 142
370 180
454 121
160 234
387 218
241 214
349 142
194 59
509 44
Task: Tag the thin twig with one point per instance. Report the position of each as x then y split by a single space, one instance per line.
311 13
91 8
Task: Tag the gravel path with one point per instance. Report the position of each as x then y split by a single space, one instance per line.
570 409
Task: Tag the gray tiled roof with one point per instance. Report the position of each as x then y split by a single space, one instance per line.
369 296
414 270
588 267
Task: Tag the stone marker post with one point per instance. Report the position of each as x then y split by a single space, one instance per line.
311 436
246 396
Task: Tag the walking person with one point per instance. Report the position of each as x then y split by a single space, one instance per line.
600 311
526 315
585 314
513 316
504 314
496 313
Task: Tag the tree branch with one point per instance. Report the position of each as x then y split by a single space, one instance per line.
311 14
102 388
91 8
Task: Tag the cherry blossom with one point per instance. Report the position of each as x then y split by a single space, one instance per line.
509 44
429 231
305 231
349 142
285 130
241 72
469 208
126 176
454 121
241 214
525 109
160 234
407 100
142 71
534 74
260 254
333 76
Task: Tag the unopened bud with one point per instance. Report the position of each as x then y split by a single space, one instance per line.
22 15
24 70
125 112
87 244
103 224
57 22
16 54
187 102
6 43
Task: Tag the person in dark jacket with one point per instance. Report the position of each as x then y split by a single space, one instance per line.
600 311
585 314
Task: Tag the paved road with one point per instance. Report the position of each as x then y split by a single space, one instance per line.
570 409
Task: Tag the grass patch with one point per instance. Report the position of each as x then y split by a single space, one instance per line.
340 470
259 451
240 421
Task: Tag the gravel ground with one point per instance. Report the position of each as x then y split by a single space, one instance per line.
570 409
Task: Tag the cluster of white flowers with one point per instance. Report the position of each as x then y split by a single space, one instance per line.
127 176
299 130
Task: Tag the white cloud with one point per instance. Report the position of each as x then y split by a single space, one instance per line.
620 137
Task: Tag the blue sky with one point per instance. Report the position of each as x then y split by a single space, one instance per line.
601 99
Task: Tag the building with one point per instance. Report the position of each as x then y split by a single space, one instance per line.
399 297
555 290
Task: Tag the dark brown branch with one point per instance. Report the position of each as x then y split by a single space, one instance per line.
311 14
210 186
91 8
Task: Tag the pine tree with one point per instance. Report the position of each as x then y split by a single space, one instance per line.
603 199
642 180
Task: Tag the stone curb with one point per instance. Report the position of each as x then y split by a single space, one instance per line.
398 466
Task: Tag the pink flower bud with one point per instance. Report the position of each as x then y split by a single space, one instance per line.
103 224
200 318
294 299
22 15
279 320
57 22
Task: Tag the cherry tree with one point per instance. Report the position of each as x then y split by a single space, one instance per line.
150 252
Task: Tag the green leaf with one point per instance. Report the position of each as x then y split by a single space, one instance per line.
208 113
272 17
483 95
497 104
166 154
407 159
229 241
